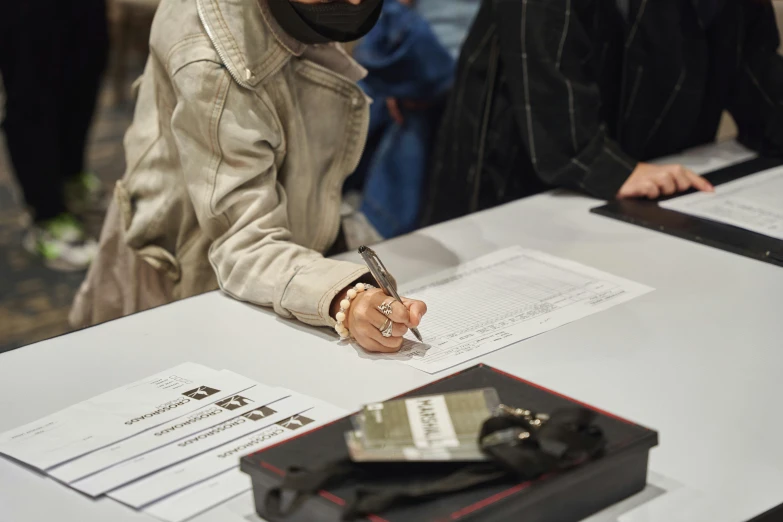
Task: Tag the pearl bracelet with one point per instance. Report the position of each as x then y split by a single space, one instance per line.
345 304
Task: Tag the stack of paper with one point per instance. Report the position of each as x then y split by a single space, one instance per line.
169 444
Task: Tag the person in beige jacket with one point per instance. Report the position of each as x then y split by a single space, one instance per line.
248 121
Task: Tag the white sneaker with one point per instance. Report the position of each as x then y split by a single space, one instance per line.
62 244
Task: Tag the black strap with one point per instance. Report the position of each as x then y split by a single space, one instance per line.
571 437
305 484
370 500
520 450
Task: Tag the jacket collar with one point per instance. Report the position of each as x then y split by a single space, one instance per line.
291 44
249 41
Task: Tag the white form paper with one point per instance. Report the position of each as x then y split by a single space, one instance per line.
128 471
183 501
503 298
178 429
119 414
753 202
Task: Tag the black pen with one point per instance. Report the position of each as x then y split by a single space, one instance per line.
384 278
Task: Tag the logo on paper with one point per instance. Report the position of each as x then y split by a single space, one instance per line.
202 392
259 413
232 403
164 408
295 422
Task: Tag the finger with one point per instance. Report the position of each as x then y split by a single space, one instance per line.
370 322
666 183
417 310
389 343
375 318
378 320
399 330
630 189
681 178
399 313
651 190
394 110
699 182
637 190
624 192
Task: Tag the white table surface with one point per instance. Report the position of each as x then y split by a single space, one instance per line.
698 359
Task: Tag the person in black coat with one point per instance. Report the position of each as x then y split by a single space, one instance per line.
52 57
580 93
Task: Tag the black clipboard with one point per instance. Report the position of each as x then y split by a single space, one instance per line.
648 214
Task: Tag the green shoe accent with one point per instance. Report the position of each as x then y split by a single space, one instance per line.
48 251
61 243
64 226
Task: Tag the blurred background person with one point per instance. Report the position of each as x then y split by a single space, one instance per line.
579 94
410 58
52 57
450 20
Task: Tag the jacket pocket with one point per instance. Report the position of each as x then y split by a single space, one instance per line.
156 256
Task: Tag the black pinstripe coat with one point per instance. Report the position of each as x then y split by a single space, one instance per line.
575 93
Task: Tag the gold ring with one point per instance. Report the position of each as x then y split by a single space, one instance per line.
386 329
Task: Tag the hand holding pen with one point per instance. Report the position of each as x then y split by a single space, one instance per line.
387 283
374 319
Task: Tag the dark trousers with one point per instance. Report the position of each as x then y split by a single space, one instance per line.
52 56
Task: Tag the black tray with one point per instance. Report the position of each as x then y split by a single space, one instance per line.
563 497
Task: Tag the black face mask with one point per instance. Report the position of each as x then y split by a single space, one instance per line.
336 21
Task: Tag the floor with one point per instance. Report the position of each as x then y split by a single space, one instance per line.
34 301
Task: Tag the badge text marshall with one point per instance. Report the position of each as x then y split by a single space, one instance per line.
429 419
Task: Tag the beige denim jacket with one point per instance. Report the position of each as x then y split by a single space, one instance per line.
240 144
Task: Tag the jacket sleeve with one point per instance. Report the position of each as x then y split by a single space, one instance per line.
227 148
757 98
544 50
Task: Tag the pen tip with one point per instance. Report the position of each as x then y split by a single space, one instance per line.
362 249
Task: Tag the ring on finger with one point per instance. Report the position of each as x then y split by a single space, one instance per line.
386 307
385 325
386 329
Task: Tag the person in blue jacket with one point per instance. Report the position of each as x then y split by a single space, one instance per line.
410 56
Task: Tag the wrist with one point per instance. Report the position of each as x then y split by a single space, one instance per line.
339 298
335 306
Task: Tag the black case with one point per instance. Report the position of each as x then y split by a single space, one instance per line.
562 497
